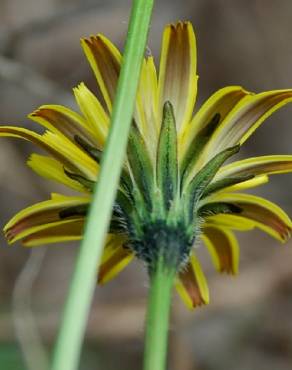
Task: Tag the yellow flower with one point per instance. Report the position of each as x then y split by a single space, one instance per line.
174 188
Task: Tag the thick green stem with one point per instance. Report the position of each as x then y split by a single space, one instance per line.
69 342
161 283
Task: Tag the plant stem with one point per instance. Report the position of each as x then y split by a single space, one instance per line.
161 283
69 342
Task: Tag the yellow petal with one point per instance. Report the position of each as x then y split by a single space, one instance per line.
64 121
74 157
59 147
95 115
268 165
246 117
233 222
147 104
191 284
248 184
25 221
223 248
52 169
105 60
115 258
221 102
58 196
266 215
55 232
177 73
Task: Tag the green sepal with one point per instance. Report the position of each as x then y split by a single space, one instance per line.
126 184
224 183
117 226
167 163
202 179
211 209
93 152
195 148
125 204
88 184
140 163
158 210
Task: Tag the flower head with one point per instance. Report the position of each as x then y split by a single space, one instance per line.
175 187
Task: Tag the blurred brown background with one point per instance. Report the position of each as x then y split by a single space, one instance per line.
248 324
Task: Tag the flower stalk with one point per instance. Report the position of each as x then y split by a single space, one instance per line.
69 342
159 302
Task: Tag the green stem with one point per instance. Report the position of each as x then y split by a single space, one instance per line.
69 342
161 283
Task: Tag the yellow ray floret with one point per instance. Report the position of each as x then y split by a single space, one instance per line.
221 102
116 257
229 221
104 59
52 169
40 214
146 115
223 248
268 165
177 72
59 147
191 284
96 117
246 117
62 121
266 215
54 232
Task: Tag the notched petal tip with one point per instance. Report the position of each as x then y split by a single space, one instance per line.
286 234
35 113
94 41
180 25
9 235
91 38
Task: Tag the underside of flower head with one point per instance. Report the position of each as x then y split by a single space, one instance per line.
175 187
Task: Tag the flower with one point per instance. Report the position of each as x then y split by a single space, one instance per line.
175 188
